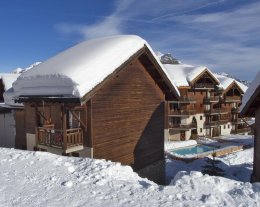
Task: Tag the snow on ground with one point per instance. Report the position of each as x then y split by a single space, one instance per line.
179 144
43 179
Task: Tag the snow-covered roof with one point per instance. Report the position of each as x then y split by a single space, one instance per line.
77 70
248 96
8 79
227 81
183 74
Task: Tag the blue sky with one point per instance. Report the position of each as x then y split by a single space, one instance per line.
220 34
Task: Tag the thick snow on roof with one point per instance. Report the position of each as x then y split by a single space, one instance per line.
182 74
250 91
226 81
77 70
8 79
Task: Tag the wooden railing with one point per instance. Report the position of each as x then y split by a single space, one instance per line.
232 98
74 137
215 111
215 122
211 99
182 126
51 137
184 99
182 112
204 85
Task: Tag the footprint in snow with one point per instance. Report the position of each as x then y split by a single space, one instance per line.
68 184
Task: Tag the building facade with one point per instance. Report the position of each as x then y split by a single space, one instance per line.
208 104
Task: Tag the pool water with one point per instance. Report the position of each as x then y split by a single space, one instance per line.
197 149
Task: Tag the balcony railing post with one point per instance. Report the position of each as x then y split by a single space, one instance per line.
64 127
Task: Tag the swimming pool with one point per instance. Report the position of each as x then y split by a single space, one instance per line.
196 149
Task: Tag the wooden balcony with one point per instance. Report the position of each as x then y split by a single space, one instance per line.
67 141
182 126
213 123
212 99
215 111
204 86
184 99
232 99
182 112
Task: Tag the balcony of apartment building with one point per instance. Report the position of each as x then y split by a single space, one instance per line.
181 112
211 99
204 85
179 109
232 99
182 126
215 122
185 99
215 111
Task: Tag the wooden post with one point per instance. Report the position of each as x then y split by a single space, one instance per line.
89 124
166 113
64 127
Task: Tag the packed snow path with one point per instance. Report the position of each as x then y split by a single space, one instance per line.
43 179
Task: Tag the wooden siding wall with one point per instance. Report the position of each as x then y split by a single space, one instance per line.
30 118
20 137
128 118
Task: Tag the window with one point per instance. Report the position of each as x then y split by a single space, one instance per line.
200 130
228 126
200 117
224 126
201 93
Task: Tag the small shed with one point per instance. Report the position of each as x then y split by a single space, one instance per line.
7 116
251 107
103 98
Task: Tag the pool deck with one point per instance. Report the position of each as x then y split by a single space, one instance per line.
226 145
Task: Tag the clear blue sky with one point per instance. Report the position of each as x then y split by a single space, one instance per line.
221 34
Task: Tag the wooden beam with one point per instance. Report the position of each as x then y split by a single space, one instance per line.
76 117
64 127
90 123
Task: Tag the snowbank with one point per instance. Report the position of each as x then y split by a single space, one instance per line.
43 179
179 144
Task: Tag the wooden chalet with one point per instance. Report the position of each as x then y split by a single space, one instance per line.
120 118
197 109
251 107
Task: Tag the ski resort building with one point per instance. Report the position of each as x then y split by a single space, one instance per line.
251 107
205 107
231 98
103 98
8 133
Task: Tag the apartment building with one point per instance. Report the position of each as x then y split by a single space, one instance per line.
208 104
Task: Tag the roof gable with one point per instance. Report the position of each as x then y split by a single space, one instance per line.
194 77
235 85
